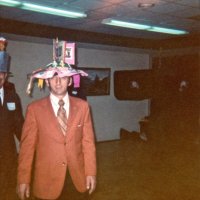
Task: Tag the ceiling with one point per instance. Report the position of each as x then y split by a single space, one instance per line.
176 14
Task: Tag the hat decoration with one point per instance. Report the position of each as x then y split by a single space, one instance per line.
58 67
2 39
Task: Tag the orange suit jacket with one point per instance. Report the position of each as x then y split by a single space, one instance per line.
53 153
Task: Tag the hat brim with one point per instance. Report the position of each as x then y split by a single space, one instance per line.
59 71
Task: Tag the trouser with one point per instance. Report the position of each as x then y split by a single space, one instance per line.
8 180
69 192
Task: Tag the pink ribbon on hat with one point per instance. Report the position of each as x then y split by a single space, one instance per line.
76 79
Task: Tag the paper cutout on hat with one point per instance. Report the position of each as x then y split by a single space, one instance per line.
63 52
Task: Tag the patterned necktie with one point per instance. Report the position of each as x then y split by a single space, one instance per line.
61 116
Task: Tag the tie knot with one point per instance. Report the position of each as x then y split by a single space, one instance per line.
61 102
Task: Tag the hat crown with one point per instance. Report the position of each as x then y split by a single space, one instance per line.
2 39
4 61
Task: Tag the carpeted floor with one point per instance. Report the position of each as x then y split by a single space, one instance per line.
165 167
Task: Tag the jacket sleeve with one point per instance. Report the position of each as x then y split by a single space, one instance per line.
88 143
27 147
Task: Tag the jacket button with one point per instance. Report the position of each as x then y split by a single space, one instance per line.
63 164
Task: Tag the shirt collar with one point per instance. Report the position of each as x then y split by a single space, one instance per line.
1 92
2 95
55 105
56 99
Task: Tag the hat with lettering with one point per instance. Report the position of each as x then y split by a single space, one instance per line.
58 67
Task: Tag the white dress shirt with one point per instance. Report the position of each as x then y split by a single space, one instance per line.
55 105
2 94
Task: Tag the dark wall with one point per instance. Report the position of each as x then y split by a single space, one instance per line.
177 99
173 87
133 84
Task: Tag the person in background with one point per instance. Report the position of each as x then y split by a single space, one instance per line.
11 121
57 142
3 46
75 90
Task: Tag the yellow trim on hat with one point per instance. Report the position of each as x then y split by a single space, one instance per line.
40 83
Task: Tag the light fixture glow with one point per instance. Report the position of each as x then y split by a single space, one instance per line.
144 27
124 24
11 3
42 9
53 11
167 30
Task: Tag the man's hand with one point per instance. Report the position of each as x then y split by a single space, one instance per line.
23 191
91 183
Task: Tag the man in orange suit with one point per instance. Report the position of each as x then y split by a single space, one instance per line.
60 152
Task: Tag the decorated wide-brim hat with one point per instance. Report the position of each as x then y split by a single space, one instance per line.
58 67
60 71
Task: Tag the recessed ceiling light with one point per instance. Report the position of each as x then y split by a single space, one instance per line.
146 5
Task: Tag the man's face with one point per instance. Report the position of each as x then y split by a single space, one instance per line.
2 46
58 86
3 76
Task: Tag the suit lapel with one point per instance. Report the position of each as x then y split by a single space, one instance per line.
57 134
7 98
73 110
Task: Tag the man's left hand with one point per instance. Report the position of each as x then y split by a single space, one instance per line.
91 183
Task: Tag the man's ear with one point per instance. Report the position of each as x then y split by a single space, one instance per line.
47 82
70 81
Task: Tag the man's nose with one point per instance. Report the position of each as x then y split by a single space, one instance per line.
58 80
